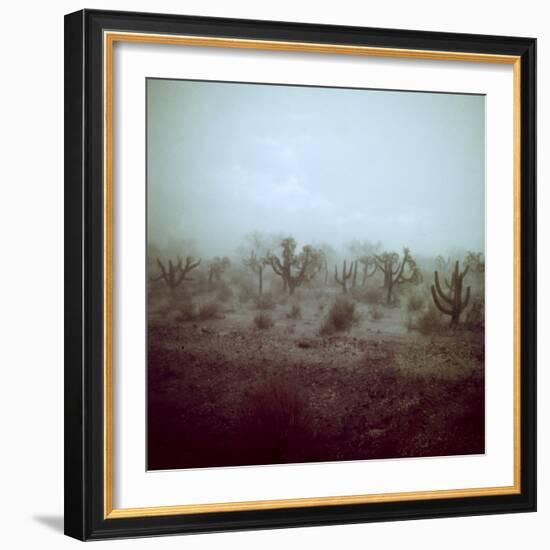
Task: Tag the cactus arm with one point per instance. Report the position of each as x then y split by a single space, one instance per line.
189 266
374 269
439 305
380 263
162 268
444 296
276 265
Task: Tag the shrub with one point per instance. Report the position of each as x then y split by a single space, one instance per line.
274 422
341 316
224 294
265 301
369 295
263 321
415 303
295 312
210 310
185 309
375 313
475 317
247 289
430 322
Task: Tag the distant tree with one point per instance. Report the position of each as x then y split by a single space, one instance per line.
295 269
173 273
346 275
328 255
359 248
257 265
397 270
442 264
217 268
369 268
475 261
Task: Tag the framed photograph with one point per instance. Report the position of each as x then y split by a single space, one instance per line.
300 274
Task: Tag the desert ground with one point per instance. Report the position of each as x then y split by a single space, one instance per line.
238 378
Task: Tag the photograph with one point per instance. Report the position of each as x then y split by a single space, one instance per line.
315 274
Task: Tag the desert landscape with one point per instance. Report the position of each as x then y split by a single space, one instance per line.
315 274
246 366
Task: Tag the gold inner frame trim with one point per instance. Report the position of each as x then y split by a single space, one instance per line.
109 39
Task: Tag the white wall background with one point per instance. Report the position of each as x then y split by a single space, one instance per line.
31 275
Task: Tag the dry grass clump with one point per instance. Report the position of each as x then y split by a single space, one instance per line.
224 294
263 321
295 312
415 303
274 422
475 316
210 310
375 313
341 316
265 301
429 322
369 295
185 309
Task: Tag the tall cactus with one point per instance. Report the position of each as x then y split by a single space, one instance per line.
451 302
295 269
394 268
346 274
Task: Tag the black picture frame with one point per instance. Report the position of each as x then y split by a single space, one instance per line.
84 282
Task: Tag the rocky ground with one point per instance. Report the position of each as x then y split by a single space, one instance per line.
223 392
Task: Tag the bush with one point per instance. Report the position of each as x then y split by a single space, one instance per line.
274 422
224 294
375 313
265 301
185 309
475 317
295 312
342 316
263 321
247 290
415 303
369 295
430 322
210 310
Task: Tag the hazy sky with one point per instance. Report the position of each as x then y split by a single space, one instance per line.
320 164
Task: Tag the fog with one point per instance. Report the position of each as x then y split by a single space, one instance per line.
320 164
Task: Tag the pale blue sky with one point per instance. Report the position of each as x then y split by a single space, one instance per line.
321 164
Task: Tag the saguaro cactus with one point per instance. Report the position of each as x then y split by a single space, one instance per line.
451 302
173 274
346 274
257 266
293 268
394 270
